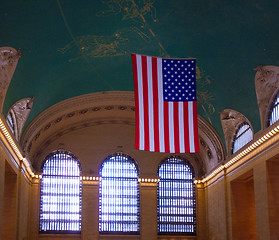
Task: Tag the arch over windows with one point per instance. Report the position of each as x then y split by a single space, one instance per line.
119 195
243 135
176 208
60 198
273 115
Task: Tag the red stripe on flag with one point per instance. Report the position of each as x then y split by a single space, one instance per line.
135 71
186 127
145 103
166 127
195 122
155 104
176 127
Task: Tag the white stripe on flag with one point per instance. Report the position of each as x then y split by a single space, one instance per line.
150 104
191 127
140 107
171 127
160 105
181 127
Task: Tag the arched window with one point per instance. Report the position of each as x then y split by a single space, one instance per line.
176 198
274 111
119 196
60 200
244 134
11 121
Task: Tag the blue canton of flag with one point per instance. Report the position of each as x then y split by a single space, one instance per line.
179 80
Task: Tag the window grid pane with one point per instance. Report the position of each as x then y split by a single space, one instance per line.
243 136
176 198
119 196
60 203
10 122
274 116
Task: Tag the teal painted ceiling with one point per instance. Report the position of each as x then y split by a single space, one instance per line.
70 48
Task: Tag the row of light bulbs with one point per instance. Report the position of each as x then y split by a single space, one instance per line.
149 180
15 148
39 176
90 178
87 178
214 173
253 146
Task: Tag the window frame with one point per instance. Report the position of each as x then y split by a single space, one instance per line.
12 127
189 165
272 106
74 158
131 160
235 137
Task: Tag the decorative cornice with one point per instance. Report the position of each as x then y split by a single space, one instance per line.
258 145
14 150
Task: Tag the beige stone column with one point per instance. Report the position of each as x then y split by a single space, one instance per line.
10 205
261 201
23 206
273 196
201 211
90 210
2 179
34 210
148 210
216 211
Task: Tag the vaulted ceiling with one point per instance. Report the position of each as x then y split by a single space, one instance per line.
70 48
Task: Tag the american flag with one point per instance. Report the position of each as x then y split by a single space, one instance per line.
166 105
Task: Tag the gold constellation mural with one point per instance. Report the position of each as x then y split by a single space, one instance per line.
103 46
135 12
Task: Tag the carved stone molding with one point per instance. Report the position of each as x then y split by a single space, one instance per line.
83 106
8 61
20 111
73 128
211 146
79 124
230 120
266 84
110 108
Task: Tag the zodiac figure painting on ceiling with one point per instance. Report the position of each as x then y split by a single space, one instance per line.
136 13
131 9
118 44
95 46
